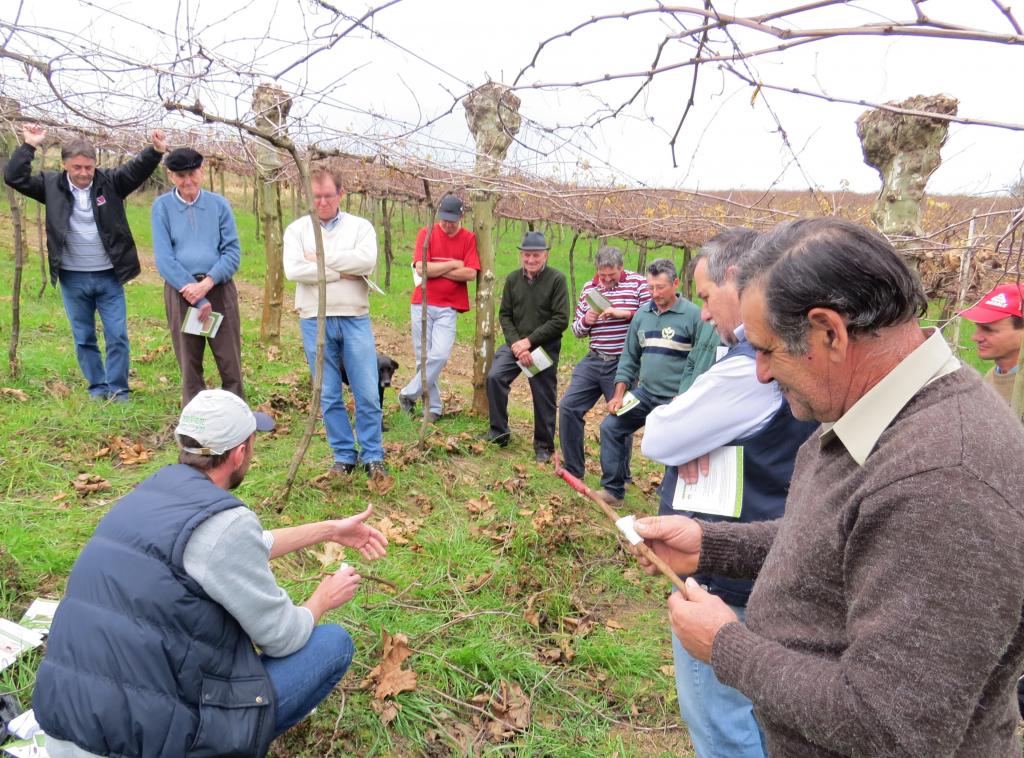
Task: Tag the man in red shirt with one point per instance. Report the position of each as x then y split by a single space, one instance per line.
452 261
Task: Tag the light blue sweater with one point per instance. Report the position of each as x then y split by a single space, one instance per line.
196 238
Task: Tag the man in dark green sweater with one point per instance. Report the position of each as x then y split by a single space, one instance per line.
534 313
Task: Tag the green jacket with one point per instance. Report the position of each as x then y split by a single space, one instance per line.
537 308
658 346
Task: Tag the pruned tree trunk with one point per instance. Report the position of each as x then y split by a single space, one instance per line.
905 152
572 263
16 203
492 114
271 105
385 219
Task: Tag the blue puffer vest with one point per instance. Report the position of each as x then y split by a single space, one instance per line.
140 661
768 459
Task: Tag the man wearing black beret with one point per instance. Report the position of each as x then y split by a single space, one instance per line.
195 243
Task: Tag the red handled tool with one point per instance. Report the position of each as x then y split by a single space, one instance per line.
642 547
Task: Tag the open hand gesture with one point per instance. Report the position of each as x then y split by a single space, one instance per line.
352 532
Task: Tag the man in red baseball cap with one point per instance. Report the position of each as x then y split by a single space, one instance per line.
999 334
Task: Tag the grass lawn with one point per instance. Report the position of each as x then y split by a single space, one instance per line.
511 589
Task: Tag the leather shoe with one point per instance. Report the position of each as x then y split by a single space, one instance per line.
498 438
543 456
614 502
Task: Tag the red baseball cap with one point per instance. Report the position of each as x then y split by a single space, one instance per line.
1001 302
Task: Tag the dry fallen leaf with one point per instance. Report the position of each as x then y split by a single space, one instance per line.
387 710
15 393
87 483
479 505
511 712
381 484
667 670
388 677
330 556
151 355
57 388
612 624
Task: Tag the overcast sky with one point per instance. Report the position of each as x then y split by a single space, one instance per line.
726 142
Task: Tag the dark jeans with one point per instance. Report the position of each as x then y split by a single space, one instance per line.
84 293
189 348
543 387
304 678
591 379
615 431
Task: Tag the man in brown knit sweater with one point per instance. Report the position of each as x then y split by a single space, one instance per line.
886 613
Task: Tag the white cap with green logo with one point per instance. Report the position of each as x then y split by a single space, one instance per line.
219 421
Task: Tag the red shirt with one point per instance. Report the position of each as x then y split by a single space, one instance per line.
462 247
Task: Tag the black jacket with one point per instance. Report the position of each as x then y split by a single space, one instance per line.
140 661
109 189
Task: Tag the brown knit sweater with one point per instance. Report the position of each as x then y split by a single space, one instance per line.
886 617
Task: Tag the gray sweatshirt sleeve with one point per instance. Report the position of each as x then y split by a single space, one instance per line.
229 557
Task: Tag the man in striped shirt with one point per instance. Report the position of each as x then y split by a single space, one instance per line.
657 346
594 376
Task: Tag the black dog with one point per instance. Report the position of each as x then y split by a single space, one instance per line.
386 368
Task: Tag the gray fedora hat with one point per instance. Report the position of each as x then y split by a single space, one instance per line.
533 241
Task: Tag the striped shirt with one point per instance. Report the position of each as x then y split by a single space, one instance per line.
609 336
83 248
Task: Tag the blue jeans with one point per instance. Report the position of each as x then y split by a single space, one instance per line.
591 379
440 338
615 435
304 678
349 339
84 293
720 719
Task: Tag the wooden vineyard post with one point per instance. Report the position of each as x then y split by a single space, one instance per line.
492 114
271 104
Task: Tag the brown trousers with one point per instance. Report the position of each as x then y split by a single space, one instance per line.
226 346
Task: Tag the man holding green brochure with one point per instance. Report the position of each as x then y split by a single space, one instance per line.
534 312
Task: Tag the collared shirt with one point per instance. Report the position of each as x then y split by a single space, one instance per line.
865 421
193 201
82 195
331 223
723 404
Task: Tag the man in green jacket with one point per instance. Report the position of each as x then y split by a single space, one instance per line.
534 313
655 357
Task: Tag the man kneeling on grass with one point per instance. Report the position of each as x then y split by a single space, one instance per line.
152 651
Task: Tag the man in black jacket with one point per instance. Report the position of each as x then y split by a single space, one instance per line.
91 249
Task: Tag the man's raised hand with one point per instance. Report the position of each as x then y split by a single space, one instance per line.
158 140
33 134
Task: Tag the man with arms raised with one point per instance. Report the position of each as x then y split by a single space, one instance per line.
350 255
726 405
452 262
871 629
153 647
89 245
626 292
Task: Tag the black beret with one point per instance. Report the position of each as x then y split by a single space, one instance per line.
183 159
